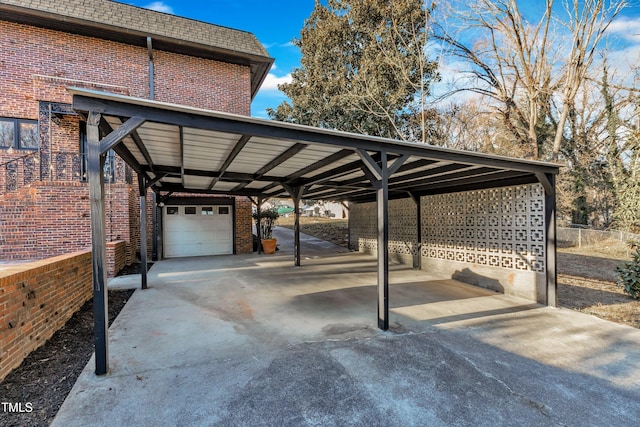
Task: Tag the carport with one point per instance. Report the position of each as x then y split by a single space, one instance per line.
174 148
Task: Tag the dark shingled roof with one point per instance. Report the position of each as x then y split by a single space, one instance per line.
130 24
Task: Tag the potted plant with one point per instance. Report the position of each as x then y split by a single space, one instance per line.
266 220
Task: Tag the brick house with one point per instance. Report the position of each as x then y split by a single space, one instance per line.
47 47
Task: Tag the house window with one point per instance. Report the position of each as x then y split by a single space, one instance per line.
190 210
173 210
18 133
207 210
223 210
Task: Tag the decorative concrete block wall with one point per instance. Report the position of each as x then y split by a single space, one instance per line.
403 231
491 238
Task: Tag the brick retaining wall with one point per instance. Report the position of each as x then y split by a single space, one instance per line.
37 299
116 257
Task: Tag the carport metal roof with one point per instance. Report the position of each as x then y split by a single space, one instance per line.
179 148
175 148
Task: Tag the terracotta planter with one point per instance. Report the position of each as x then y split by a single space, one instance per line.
269 246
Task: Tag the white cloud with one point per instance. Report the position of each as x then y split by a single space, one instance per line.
159 6
627 28
271 82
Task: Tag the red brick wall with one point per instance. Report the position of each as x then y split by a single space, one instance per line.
51 218
36 300
38 65
29 53
244 239
116 257
202 83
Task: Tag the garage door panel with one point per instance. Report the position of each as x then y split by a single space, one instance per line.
208 231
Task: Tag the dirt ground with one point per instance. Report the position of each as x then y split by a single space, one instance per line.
332 230
586 283
47 375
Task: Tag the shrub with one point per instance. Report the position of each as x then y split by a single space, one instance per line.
629 273
268 219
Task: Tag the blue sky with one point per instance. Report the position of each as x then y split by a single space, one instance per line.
275 23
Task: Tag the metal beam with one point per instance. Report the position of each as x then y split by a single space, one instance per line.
257 201
393 168
547 183
335 194
382 196
121 149
95 174
294 178
230 158
417 259
489 179
550 250
124 153
373 178
318 165
115 137
296 194
184 116
157 178
228 176
143 229
177 188
181 131
334 173
371 164
286 155
421 175
283 157
141 147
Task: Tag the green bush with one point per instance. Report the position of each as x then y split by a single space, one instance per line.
629 273
268 220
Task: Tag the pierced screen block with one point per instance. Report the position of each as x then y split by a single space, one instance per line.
499 227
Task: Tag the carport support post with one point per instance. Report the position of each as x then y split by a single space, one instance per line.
143 229
98 243
296 195
379 177
258 203
382 196
550 252
417 259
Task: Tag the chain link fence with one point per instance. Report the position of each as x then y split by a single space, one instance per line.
579 237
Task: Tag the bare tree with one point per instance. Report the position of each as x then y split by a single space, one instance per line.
523 67
510 62
363 69
587 23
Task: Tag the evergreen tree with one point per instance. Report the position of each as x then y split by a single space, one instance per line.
363 69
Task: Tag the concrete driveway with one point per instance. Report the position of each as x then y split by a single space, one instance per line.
253 341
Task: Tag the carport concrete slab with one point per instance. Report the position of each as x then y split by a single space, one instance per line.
251 340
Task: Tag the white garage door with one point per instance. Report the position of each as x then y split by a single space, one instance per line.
197 230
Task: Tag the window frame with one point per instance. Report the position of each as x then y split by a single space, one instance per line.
16 143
